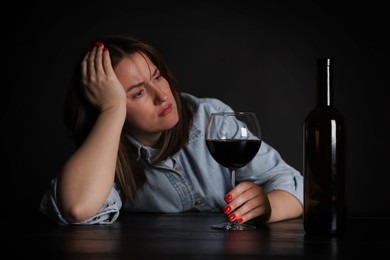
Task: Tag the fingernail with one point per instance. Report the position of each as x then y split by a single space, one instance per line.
105 49
228 198
227 209
239 220
99 44
232 217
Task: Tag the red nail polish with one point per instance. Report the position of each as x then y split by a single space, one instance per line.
105 49
227 209
239 220
232 217
228 198
99 44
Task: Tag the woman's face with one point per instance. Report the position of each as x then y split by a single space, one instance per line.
151 107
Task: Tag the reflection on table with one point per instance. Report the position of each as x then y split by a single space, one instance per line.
188 236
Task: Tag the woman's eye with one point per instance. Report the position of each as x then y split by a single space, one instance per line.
138 94
158 77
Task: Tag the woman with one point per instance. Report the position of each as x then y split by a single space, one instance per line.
140 147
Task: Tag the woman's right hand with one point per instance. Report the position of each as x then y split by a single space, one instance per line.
101 86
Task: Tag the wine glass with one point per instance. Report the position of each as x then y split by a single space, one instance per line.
233 139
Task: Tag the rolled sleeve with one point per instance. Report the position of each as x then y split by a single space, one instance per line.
270 171
292 184
107 215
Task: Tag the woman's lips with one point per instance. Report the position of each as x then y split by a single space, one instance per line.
166 110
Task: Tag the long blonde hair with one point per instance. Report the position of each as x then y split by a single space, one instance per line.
80 115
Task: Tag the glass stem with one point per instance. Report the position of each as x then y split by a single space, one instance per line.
233 176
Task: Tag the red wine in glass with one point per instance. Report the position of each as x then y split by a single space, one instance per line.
233 153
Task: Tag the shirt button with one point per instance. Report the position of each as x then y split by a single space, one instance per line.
198 202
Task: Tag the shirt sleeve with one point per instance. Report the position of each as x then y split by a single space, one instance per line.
269 170
107 214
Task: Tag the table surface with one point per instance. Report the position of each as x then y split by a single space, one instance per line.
188 236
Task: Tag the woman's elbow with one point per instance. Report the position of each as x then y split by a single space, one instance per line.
78 213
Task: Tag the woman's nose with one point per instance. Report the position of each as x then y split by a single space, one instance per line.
159 95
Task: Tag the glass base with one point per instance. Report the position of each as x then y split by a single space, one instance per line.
233 226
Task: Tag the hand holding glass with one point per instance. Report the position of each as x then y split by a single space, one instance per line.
233 139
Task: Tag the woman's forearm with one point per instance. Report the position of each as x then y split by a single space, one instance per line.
284 206
88 175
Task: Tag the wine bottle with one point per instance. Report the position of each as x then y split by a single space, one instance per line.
324 160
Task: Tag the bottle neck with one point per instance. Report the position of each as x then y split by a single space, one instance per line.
324 82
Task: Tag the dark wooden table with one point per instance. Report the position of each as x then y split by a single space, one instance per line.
188 236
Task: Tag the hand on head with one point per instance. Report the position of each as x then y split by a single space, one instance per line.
101 86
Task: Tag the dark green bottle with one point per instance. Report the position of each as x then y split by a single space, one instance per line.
324 160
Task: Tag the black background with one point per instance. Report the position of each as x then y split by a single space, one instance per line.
254 55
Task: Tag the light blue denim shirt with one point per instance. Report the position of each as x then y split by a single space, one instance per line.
191 180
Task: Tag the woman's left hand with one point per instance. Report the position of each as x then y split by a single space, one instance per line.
247 201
